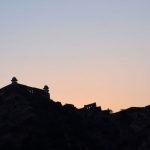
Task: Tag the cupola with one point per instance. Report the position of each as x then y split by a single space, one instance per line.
14 80
46 88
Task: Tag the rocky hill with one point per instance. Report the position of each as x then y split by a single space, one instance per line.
30 120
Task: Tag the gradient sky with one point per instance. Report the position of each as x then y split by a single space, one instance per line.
85 50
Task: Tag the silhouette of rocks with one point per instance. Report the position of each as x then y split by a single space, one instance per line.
29 119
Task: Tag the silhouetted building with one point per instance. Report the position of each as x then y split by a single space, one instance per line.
16 88
90 106
30 120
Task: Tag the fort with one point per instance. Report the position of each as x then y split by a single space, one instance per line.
15 89
23 89
30 119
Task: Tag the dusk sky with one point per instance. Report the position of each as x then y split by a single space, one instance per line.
84 50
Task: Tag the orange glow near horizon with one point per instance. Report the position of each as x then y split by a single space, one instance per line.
85 51
114 92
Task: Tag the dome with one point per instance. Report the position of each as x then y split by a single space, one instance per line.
14 80
46 88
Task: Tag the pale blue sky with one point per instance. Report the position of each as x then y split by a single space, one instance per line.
85 50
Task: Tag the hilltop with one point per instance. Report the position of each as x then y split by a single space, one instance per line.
30 119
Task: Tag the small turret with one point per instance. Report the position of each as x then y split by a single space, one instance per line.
14 80
46 89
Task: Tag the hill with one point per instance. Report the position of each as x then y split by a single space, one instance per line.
30 119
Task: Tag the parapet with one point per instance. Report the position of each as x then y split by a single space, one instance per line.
90 106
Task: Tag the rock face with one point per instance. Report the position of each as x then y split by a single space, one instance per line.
30 120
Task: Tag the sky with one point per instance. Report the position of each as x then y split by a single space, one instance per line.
84 50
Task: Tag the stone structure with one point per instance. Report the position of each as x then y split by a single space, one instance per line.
90 106
23 89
